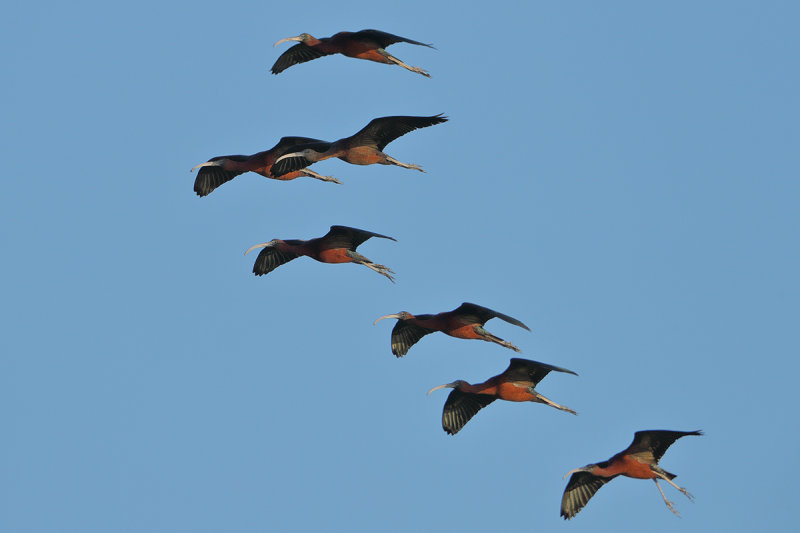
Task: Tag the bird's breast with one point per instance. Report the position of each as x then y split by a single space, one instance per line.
363 155
334 255
629 466
513 393
462 331
285 177
364 51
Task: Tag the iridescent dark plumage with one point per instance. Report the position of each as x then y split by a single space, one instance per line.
209 178
222 169
639 460
363 148
460 407
464 322
364 44
337 246
516 384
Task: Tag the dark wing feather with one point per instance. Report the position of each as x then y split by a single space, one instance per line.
405 334
209 178
655 442
271 258
581 487
299 53
383 39
533 371
382 131
350 238
292 164
460 407
482 314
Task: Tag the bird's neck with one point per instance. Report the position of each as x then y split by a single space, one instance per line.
299 246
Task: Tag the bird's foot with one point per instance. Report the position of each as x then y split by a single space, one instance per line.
385 271
381 269
485 335
683 491
312 174
330 179
671 507
388 274
550 402
562 408
509 345
408 67
419 71
393 161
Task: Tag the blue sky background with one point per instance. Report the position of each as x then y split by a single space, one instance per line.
621 177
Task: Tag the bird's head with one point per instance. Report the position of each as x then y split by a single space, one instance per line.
273 242
402 315
303 37
454 385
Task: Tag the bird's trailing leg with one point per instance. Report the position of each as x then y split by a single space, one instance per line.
409 67
485 335
551 403
312 174
380 269
669 503
392 161
683 491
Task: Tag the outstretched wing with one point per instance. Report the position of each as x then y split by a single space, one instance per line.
299 53
382 131
460 407
298 162
271 258
480 314
383 39
533 371
581 487
350 238
405 335
209 178
652 444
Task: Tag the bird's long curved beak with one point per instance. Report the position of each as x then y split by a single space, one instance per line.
297 38
445 386
206 164
396 315
262 245
284 156
572 472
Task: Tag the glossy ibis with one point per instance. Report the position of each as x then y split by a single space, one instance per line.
364 44
337 246
516 384
222 169
639 460
363 148
465 322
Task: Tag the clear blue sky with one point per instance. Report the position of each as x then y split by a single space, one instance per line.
621 177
